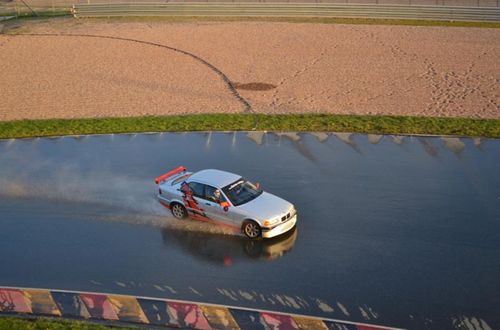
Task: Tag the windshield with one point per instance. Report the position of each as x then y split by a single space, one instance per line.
241 191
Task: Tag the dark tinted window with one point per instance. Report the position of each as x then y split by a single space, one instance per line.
210 194
241 191
198 189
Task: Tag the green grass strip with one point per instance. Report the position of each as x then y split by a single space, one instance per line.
11 323
246 122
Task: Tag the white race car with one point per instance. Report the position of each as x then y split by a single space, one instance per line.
226 199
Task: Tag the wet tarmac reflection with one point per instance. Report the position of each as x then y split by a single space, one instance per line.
393 230
226 250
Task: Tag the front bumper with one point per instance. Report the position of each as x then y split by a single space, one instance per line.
280 229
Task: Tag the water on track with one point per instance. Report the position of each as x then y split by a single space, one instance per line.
399 231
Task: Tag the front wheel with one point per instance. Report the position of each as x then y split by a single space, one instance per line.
251 229
178 211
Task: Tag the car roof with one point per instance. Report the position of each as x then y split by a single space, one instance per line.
215 178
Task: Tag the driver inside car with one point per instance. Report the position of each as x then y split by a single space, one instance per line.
215 196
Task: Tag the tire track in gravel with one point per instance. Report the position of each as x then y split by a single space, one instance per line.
247 108
275 99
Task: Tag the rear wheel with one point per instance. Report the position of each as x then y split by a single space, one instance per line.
251 229
178 211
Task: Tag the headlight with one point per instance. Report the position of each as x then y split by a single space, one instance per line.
268 223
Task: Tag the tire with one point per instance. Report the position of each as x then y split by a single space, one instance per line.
178 210
251 229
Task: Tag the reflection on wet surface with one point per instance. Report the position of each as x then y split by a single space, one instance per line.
229 249
393 230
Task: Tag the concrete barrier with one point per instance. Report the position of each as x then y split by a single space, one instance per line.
420 12
156 312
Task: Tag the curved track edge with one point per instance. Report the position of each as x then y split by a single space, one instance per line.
155 312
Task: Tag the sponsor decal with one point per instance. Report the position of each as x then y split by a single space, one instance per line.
236 184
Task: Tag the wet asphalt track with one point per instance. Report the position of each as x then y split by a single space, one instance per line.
394 231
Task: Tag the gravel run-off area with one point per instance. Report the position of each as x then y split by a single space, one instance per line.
215 67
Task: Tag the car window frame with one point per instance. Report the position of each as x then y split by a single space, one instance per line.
260 191
223 199
192 190
204 197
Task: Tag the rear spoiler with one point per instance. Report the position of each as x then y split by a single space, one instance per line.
165 176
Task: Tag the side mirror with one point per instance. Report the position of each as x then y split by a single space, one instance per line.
224 205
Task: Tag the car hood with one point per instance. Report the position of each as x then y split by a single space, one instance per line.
266 206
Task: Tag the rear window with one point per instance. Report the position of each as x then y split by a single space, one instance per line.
180 179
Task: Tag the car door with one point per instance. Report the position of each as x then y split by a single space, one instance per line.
193 201
206 208
213 208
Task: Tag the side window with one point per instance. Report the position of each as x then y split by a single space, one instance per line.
198 189
210 193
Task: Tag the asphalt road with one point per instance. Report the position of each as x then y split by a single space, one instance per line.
392 231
